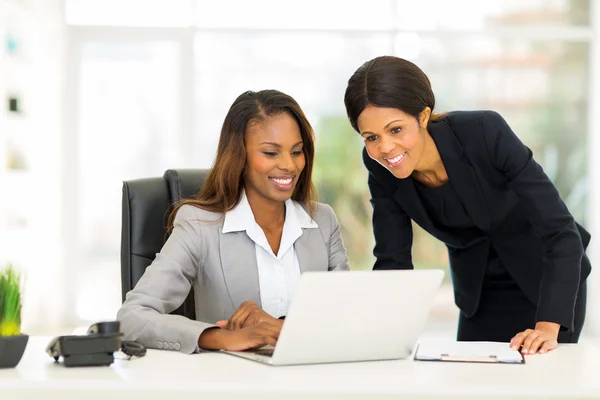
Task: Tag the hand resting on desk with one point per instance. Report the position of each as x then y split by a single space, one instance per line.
541 339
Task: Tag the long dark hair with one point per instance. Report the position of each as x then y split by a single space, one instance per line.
392 82
222 189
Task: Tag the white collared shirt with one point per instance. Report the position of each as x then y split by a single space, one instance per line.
278 274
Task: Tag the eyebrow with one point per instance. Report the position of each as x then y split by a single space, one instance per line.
279 146
384 128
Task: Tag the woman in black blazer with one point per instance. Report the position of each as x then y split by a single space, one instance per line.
517 257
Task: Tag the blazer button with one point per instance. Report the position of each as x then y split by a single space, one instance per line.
171 347
159 344
177 346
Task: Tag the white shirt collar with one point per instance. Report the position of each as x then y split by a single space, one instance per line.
241 217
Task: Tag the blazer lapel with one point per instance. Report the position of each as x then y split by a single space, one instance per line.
311 251
461 174
406 195
238 260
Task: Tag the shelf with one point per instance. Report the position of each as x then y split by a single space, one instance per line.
20 6
530 18
15 61
12 117
525 104
524 62
16 177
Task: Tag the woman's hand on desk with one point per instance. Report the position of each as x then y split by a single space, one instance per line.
249 313
541 339
251 337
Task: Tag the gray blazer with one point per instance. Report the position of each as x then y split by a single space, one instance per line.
221 268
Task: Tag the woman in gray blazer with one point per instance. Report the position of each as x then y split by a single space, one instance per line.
243 242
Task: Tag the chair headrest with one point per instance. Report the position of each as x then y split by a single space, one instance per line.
184 183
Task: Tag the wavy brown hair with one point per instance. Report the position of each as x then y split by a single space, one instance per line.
391 82
222 189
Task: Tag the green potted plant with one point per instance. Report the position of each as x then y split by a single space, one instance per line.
12 341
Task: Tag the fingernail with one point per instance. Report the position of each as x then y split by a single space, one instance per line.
542 351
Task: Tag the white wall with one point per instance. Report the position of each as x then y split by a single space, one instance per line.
30 217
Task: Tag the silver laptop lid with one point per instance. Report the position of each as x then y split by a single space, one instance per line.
356 316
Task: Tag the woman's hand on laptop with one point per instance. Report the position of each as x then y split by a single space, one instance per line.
251 337
249 313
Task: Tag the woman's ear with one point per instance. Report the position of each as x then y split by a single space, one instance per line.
424 116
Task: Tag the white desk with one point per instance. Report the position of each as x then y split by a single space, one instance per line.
570 372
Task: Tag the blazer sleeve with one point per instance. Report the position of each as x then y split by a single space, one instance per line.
391 226
338 259
551 220
162 288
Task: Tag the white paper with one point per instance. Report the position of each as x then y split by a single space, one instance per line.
433 350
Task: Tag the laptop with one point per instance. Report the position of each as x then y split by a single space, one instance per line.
352 316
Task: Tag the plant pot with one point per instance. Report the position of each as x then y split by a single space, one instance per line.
12 349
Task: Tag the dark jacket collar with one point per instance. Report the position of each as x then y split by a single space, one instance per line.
462 177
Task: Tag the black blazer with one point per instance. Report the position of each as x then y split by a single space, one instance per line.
513 204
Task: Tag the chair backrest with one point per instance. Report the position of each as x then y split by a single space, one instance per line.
146 207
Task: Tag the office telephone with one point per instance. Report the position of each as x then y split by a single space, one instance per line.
94 348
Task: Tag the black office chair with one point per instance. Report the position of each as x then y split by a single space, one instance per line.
146 207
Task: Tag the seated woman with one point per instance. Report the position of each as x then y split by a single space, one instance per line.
244 241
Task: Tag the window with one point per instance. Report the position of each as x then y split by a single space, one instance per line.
527 60
129 103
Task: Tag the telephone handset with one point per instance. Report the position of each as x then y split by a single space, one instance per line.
94 348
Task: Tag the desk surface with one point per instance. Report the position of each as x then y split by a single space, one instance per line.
569 372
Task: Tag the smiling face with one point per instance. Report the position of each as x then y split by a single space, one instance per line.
394 138
274 158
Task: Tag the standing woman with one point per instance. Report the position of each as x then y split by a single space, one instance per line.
517 257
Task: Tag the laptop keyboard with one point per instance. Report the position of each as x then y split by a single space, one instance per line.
264 352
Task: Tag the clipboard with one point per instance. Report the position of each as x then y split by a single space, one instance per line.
469 352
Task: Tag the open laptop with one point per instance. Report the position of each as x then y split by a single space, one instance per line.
353 316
